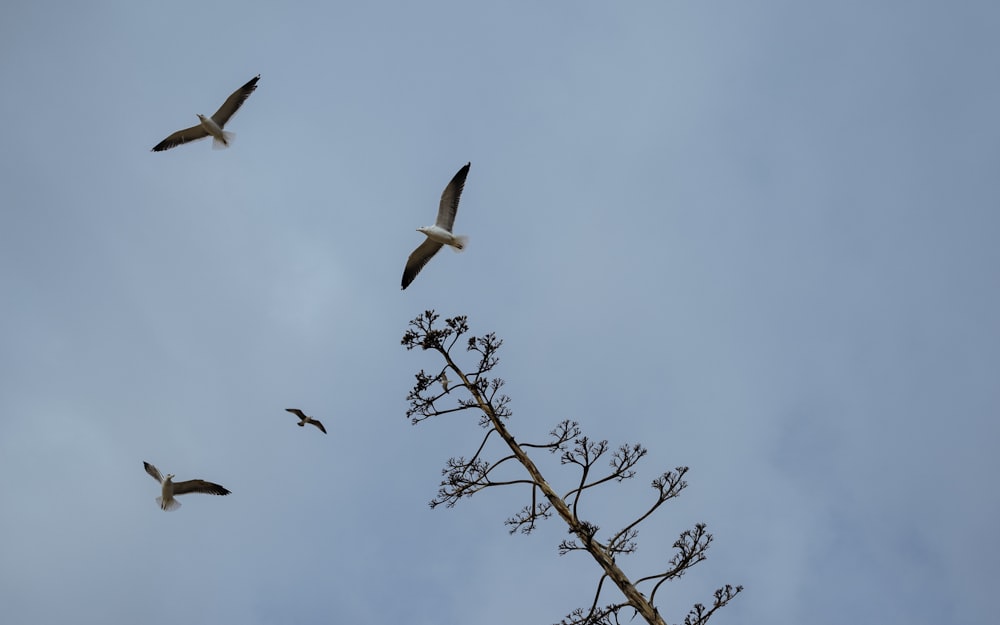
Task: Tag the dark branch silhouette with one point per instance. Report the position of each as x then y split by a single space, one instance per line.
473 389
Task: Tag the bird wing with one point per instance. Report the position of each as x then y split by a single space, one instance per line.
181 137
297 412
318 424
424 252
199 486
449 199
153 471
234 102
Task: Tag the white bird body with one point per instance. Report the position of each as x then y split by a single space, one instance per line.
440 235
220 138
166 498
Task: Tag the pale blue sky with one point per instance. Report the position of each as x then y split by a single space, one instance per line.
760 238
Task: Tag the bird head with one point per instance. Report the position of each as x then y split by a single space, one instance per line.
201 117
169 477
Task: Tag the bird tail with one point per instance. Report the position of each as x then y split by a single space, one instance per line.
225 142
173 504
460 242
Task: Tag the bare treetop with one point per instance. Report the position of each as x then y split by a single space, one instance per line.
475 389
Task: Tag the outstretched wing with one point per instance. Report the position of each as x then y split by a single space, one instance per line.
153 471
298 413
424 252
199 486
234 102
318 424
449 199
181 137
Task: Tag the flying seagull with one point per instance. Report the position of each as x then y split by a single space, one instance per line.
439 234
171 488
212 126
444 381
306 419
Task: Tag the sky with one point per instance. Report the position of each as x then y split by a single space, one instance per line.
758 238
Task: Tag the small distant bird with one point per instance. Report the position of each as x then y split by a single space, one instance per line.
212 126
444 381
170 488
306 419
439 234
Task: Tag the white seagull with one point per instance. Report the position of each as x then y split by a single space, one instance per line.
212 126
306 419
171 488
444 381
439 234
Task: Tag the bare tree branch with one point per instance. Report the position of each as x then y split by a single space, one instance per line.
464 477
